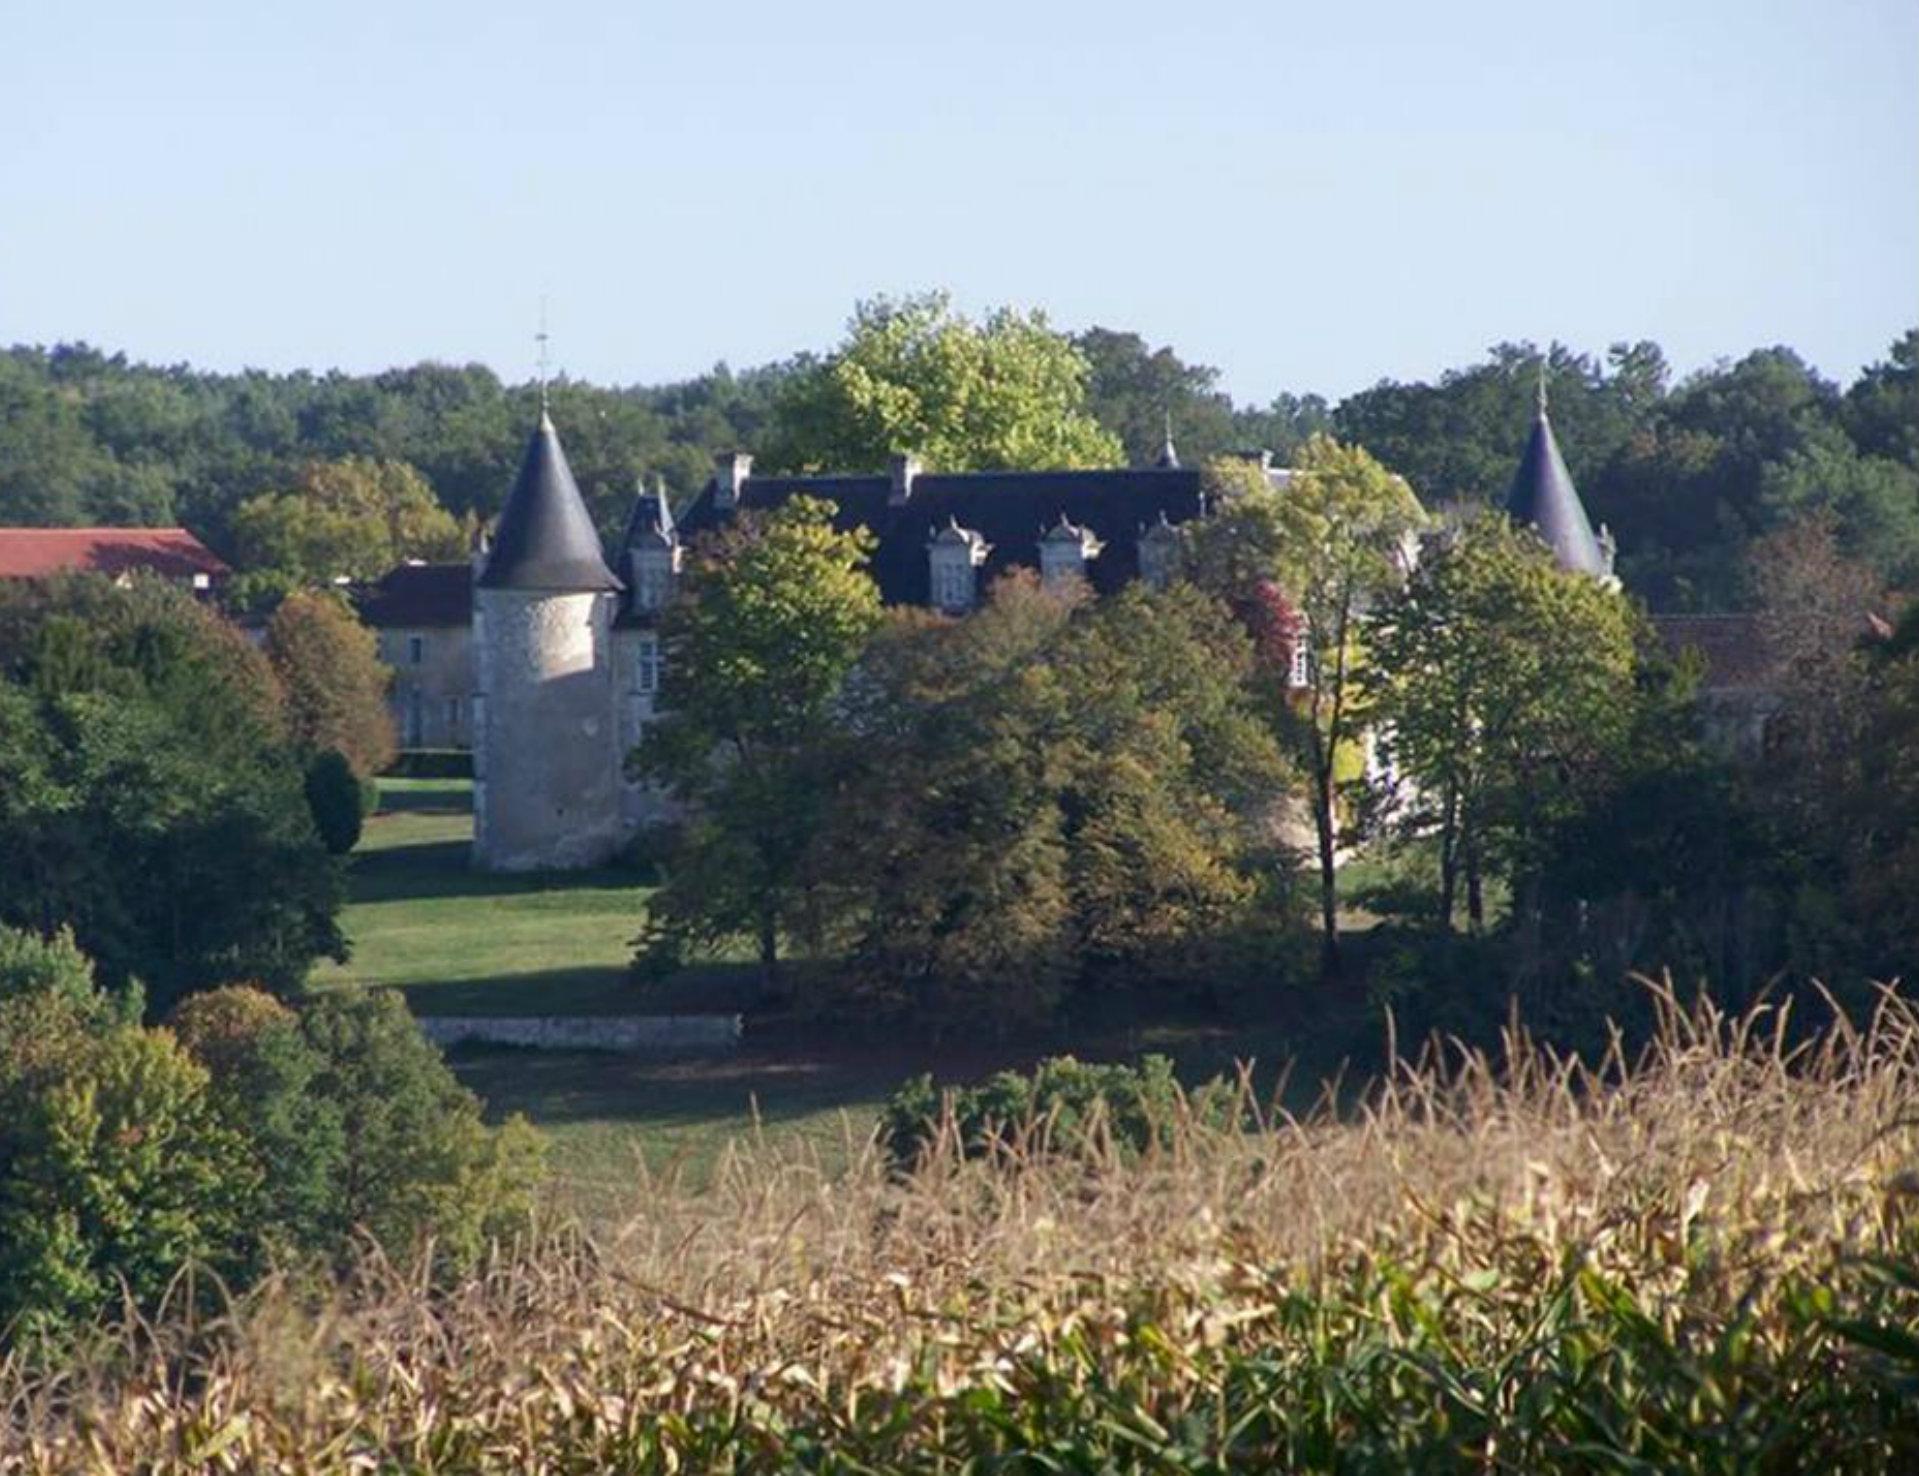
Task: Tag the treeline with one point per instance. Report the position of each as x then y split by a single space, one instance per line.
1687 474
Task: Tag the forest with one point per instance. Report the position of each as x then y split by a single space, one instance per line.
1687 471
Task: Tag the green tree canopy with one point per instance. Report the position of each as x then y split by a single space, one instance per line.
915 376
1333 545
1500 683
353 518
150 796
771 617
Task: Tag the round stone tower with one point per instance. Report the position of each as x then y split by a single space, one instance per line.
546 743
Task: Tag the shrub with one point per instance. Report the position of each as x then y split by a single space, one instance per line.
337 800
417 1159
1063 1106
432 763
114 1167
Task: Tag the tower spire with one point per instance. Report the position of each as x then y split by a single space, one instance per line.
1542 385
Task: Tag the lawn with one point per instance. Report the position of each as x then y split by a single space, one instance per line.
459 941
462 942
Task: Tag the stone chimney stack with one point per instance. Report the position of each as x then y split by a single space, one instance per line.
905 468
730 471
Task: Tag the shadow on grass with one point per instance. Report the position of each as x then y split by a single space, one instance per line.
700 989
440 869
558 1087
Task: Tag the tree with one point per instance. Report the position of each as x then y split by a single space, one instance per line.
417 1159
1499 683
771 618
335 683
1335 544
1882 407
149 795
914 376
1050 792
1139 393
113 1167
352 518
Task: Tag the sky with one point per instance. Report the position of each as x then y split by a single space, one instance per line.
1311 198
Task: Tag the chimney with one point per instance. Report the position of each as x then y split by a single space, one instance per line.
905 468
730 471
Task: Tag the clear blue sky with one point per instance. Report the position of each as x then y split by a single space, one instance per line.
1309 197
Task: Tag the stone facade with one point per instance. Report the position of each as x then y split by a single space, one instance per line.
432 695
546 770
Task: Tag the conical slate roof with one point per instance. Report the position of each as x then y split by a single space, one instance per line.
1543 498
545 539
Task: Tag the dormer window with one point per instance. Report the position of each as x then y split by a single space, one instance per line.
1064 550
1301 672
953 557
653 571
1159 554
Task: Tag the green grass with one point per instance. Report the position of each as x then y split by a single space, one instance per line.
462 942
605 1114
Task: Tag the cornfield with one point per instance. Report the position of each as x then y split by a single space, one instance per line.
1699 1257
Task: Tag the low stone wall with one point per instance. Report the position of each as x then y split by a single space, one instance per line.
656 1035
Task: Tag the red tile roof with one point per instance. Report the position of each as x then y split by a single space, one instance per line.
173 553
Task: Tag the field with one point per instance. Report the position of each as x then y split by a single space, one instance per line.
1705 1259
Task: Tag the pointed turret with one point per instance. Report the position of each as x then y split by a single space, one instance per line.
1543 498
1168 459
545 539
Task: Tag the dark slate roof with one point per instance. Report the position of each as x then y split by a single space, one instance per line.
1010 510
545 538
1543 497
1732 646
418 594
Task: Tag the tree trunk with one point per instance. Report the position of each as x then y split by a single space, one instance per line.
769 956
1324 823
1448 862
1475 894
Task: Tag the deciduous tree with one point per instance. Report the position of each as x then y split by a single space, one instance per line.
335 683
914 376
1499 682
771 618
1336 543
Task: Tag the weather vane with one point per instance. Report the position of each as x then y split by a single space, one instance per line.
540 338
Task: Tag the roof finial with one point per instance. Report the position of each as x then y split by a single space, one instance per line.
540 338
1542 384
1168 456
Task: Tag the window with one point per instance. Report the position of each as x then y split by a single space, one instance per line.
453 712
953 584
415 649
1301 674
646 675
